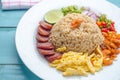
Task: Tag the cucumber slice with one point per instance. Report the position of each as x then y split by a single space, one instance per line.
53 16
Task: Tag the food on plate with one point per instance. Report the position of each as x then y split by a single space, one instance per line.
53 16
46 52
111 44
45 25
83 38
110 47
46 45
76 23
74 63
61 49
41 38
54 57
77 41
72 9
105 24
43 32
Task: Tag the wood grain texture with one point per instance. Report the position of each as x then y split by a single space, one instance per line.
116 2
11 67
16 72
8 52
10 18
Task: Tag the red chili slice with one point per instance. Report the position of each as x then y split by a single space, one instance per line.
105 30
112 27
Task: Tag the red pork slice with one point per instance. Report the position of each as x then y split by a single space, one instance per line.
41 38
45 46
43 32
46 52
45 25
53 57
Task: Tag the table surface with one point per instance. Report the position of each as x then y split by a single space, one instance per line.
11 67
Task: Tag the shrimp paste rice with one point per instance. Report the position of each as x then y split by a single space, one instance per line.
85 38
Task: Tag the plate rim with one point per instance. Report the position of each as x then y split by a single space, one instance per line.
24 62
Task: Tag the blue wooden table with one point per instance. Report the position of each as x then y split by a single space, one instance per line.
11 67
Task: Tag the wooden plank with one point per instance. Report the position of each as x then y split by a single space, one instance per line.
8 53
16 72
116 2
10 18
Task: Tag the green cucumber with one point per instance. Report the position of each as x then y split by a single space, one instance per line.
53 16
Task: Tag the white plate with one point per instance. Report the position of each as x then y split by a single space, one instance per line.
26 43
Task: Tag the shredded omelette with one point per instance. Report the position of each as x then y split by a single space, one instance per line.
74 63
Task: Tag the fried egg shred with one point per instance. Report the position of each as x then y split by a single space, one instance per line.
78 63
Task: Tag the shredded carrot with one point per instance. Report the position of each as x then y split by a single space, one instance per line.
75 23
98 23
106 51
107 61
110 47
118 36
